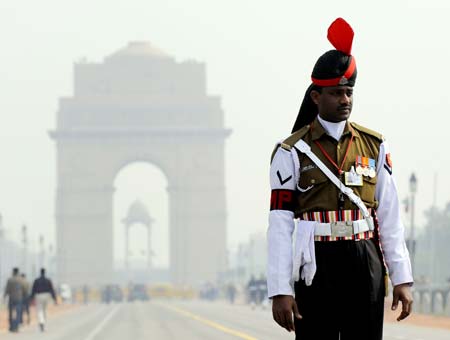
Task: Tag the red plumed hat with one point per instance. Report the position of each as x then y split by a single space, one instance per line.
333 68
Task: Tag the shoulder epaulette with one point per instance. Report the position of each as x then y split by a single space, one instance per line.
286 146
367 131
289 142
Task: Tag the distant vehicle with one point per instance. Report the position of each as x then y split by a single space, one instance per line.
65 292
138 292
112 293
165 290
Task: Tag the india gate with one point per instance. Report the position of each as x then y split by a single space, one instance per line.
140 105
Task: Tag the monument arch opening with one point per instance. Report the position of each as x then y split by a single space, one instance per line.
141 223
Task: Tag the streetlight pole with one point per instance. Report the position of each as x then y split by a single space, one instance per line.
150 252
51 260
24 248
433 233
412 240
41 251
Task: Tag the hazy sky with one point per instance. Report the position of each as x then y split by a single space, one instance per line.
259 56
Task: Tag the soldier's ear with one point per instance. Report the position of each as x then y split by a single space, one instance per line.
315 96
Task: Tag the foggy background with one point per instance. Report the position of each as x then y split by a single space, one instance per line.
259 56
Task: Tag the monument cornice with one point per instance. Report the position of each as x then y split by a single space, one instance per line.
173 132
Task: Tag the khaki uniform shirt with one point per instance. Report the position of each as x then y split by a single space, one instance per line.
316 192
298 186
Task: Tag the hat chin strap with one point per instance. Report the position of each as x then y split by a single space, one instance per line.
339 80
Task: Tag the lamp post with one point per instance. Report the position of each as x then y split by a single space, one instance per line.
24 248
41 251
51 260
412 237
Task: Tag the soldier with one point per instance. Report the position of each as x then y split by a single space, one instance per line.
335 177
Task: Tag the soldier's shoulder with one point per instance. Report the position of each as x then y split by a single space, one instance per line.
289 142
366 131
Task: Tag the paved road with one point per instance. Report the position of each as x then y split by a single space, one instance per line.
188 320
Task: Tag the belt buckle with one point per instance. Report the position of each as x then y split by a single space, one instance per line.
342 229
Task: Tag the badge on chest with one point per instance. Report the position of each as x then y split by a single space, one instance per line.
364 166
352 178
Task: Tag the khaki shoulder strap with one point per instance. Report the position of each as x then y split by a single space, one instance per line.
289 142
367 131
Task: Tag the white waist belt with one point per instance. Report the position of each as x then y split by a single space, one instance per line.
344 228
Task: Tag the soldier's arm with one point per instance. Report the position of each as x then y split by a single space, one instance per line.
281 224
391 227
392 234
279 238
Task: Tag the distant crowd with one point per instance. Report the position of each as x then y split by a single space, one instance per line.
253 293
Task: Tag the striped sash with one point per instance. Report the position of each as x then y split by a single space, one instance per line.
335 216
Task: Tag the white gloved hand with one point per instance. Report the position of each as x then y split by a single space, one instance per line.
309 267
305 252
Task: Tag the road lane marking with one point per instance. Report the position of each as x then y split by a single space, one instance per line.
209 323
102 324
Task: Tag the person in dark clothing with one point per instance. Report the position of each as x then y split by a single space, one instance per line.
231 292
15 291
85 294
26 299
42 291
252 289
262 291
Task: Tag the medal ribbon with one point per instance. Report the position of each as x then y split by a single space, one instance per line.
365 162
339 168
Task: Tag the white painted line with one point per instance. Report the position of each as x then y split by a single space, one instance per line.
102 324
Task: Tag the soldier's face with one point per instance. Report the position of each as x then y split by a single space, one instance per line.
334 103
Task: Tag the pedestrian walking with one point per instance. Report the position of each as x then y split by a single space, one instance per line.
86 294
15 292
41 293
26 299
230 289
262 291
252 291
336 178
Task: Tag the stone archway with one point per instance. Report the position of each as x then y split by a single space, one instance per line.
140 105
138 214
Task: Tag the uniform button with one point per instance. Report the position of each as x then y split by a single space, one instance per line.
313 181
339 146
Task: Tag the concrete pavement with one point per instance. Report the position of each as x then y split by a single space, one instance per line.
189 320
